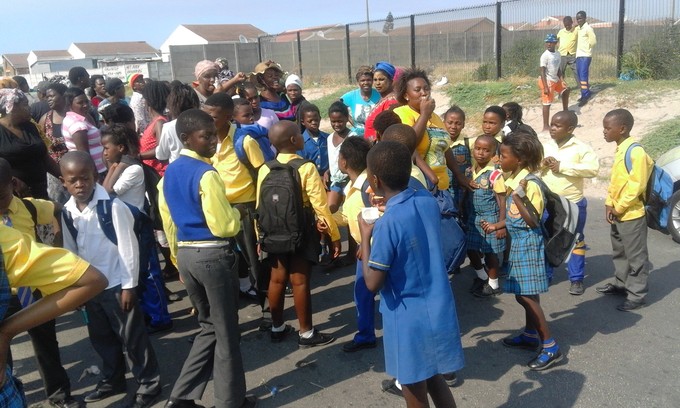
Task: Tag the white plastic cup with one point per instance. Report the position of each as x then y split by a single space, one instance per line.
370 214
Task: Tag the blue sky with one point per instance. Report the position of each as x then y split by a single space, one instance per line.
50 24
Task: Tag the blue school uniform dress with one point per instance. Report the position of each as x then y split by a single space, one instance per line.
482 206
526 265
421 334
463 158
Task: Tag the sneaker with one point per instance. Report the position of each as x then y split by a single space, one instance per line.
68 402
390 387
450 378
250 294
277 337
544 360
576 288
486 290
317 339
520 342
476 284
288 292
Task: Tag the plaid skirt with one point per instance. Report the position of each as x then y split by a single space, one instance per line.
478 240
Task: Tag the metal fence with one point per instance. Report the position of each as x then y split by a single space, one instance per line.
481 42
183 58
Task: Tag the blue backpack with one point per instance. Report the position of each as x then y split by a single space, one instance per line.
259 134
657 195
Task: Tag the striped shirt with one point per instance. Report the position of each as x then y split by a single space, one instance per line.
74 123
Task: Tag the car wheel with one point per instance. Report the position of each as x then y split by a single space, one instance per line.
674 220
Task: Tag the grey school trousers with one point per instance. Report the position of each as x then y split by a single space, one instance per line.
631 260
113 331
211 278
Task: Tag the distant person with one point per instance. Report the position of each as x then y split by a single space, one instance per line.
206 78
79 77
51 123
155 97
361 101
115 88
40 107
25 88
263 117
138 102
551 81
98 85
182 97
584 55
79 130
384 77
267 77
625 211
566 40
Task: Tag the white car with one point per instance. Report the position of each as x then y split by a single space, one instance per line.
670 162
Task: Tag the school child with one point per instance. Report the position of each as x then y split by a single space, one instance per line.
24 215
568 161
454 122
406 136
315 148
286 137
125 176
182 97
25 263
513 119
485 205
551 81
201 225
405 263
527 278
338 116
239 186
352 162
384 120
116 323
493 122
625 211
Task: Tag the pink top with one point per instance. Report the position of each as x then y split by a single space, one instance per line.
148 142
74 123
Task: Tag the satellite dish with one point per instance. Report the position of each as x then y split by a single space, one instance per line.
320 34
242 39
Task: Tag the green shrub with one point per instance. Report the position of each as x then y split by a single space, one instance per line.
484 72
655 56
523 58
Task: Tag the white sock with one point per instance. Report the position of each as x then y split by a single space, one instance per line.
481 274
244 284
279 329
397 384
493 283
307 334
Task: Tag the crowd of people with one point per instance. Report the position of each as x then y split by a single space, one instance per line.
232 180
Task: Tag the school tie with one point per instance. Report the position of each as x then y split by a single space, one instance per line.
24 292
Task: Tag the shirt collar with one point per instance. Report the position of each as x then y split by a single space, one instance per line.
624 145
400 198
361 178
476 171
13 206
99 194
512 181
194 155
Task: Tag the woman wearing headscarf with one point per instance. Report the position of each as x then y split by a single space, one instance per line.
206 76
384 77
21 144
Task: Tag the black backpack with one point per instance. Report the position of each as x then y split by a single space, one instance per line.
280 211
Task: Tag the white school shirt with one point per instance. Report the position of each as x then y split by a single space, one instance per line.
551 62
130 186
169 145
120 264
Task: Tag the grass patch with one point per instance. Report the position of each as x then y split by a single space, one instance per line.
662 138
325 102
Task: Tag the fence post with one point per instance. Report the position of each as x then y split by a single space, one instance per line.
499 71
349 55
299 52
619 45
413 41
236 57
259 48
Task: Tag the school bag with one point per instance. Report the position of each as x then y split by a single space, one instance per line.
259 134
559 224
280 213
657 195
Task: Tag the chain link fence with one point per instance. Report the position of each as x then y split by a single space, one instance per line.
477 43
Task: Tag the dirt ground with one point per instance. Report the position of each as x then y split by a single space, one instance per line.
647 114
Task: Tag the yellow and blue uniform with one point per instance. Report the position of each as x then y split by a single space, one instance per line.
586 40
463 158
482 205
526 264
626 188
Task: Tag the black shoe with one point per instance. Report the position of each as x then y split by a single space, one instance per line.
265 325
390 387
476 284
486 290
610 289
249 402
143 400
451 379
288 292
544 360
520 342
583 101
157 328
101 393
277 337
353 346
629 305
250 294
317 339
576 288
180 403
68 402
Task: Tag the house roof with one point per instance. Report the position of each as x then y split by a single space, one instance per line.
455 26
17 60
115 48
224 32
47 54
328 30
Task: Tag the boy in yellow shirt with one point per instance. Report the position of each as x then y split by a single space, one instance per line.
566 46
625 211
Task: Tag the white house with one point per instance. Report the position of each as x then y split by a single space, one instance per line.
201 34
125 50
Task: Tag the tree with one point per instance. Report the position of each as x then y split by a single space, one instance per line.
389 23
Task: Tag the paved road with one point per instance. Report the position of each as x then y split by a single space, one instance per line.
613 359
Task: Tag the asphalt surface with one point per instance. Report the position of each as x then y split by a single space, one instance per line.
613 358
